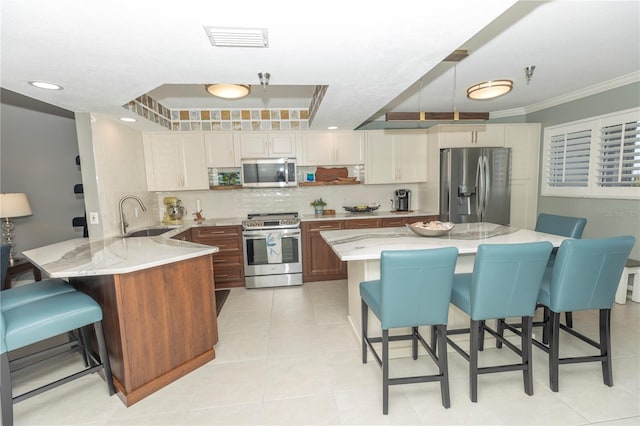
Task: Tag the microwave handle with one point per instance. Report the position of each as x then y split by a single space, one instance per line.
286 170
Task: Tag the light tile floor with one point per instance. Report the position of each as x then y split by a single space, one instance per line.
288 356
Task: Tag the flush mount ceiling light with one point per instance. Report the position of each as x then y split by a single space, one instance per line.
489 89
237 37
228 91
45 85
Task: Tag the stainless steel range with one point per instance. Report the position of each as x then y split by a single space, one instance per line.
272 250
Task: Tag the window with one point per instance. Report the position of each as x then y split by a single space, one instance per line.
598 157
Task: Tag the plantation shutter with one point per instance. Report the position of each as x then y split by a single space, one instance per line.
569 159
619 155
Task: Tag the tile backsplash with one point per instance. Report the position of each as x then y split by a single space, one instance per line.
239 202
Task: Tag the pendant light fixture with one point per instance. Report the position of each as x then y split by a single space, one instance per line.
455 115
489 89
228 91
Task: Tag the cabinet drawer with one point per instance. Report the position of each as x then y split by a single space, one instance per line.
183 236
324 225
224 244
216 231
227 259
389 222
222 275
362 223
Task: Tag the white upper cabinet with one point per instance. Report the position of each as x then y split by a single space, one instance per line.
267 144
331 148
223 149
396 157
471 135
175 162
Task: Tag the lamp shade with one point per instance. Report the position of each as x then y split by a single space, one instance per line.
14 205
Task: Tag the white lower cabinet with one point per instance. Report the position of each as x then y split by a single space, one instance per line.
175 162
396 157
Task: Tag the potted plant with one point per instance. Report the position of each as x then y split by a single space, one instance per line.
318 204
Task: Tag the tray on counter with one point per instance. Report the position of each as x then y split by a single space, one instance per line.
360 209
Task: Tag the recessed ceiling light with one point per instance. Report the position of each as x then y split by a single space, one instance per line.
45 85
128 119
332 127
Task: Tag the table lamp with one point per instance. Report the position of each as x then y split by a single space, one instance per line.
12 205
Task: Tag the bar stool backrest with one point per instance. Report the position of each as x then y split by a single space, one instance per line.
506 279
586 273
565 226
416 286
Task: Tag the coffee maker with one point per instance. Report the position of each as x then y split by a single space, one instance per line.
402 200
173 211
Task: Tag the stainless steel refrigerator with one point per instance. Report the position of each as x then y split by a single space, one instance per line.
475 185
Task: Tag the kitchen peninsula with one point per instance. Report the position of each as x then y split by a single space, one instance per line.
158 302
362 248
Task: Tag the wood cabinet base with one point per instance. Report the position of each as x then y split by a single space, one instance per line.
159 323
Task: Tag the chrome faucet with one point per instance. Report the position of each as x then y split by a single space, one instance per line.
123 221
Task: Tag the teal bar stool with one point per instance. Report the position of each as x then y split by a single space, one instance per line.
414 290
585 276
566 226
29 292
505 282
40 320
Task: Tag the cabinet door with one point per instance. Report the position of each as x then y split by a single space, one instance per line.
163 161
463 135
411 157
194 162
318 149
253 145
349 148
221 150
282 145
379 165
319 262
524 141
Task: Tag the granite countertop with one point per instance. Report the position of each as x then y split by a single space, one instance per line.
343 215
83 257
367 244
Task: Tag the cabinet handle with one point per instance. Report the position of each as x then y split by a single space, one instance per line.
215 232
219 260
325 226
221 276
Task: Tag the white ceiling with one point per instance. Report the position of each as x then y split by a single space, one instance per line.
373 56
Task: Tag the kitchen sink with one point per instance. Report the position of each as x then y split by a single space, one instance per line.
149 232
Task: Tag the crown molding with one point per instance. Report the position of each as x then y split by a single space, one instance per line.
634 77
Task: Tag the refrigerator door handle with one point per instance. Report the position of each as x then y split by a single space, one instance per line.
478 187
487 183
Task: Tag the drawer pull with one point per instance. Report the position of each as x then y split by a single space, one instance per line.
325 226
222 276
219 260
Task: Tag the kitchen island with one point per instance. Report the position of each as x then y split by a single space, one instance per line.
362 248
158 302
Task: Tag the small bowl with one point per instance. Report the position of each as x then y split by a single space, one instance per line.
431 232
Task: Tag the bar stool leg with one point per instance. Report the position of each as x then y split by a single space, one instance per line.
364 319
385 371
441 331
527 373
6 399
554 350
474 336
414 342
605 346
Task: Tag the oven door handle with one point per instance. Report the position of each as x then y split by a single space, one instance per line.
285 233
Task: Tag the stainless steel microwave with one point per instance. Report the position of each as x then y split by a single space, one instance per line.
269 172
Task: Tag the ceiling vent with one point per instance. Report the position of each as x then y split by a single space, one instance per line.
237 37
